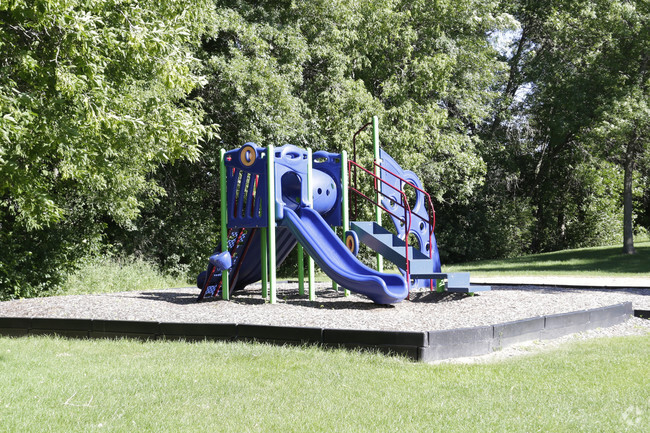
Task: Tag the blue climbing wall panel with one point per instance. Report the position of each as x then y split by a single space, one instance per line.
247 186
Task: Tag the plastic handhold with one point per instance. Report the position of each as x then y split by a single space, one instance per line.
221 261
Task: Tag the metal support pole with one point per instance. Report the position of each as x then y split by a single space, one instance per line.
225 274
270 157
310 198
301 270
375 142
345 209
335 286
264 258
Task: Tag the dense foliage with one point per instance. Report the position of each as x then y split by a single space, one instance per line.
311 73
93 100
588 62
569 134
527 121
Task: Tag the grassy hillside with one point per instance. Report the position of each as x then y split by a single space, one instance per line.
598 261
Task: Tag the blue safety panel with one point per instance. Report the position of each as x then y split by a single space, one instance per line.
247 186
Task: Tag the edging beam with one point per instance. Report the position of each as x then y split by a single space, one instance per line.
418 346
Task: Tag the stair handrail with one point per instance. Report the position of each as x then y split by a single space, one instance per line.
431 218
431 211
407 209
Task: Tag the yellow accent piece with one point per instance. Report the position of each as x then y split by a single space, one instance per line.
349 242
247 155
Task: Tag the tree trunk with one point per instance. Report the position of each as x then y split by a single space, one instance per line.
628 229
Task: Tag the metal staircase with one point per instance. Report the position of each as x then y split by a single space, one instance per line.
412 261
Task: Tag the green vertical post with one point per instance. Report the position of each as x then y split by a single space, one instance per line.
301 270
225 275
310 198
375 142
335 286
270 158
264 259
345 209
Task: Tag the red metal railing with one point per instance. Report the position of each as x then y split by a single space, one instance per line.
431 213
404 205
406 220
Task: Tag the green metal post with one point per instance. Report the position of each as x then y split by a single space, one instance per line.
310 198
301 270
345 209
375 142
225 275
270 157
264 261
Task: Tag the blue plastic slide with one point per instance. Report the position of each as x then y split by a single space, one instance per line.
334 258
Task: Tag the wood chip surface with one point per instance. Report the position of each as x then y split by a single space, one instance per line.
426 311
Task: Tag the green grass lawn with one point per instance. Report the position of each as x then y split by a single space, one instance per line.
107 275
598 261
60 385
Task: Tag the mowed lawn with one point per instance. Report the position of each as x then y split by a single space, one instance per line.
597 261
60 385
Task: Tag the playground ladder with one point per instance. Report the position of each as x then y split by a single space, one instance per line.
237 247
393 249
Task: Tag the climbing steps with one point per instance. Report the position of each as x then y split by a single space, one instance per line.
394 249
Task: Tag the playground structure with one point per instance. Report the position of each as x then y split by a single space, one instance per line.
274 199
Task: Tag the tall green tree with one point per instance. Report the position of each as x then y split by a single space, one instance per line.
622 134
588 63
93 98
311 73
